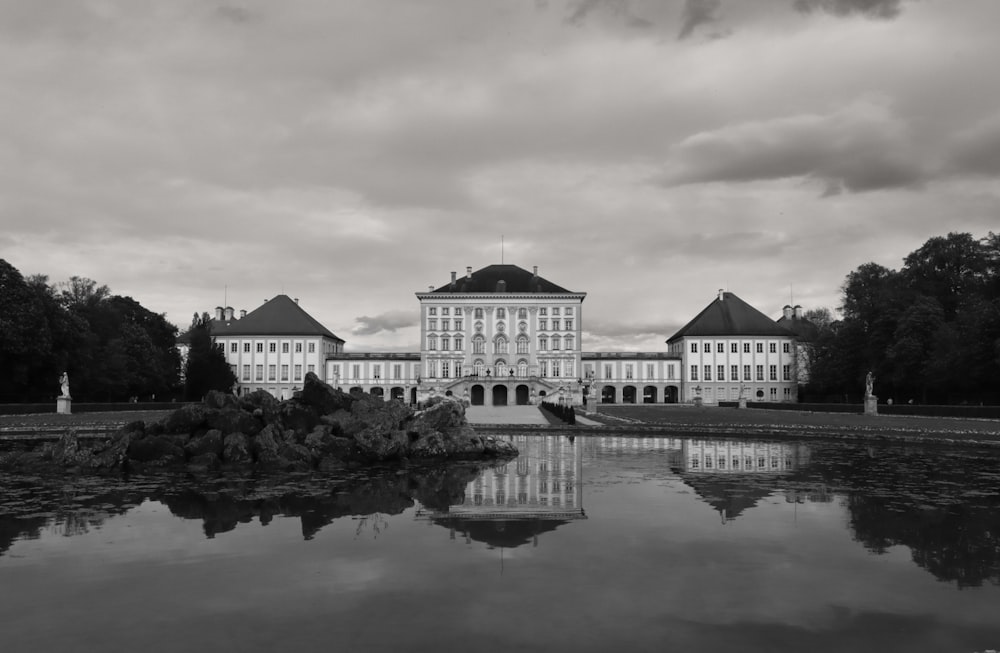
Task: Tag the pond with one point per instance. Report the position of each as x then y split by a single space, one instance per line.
593 544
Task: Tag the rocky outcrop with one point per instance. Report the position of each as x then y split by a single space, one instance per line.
320 428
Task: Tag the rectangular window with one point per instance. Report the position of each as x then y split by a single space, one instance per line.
284 348
336 371
650 371
555 365
311 369
628 371
760 372
670 372
760 347
734 373
785 347
445 310
445 344
607 372
694 372
246 372
772 372
706 347
734 348
272 347
543 325
233 347
272 372
246 347
284 372
445 324
746 372
721 371
773 348
746 347
720 347
568 324
774 394
555 311
458 325
432 325
694 347
355 372
543 312
545 368
788 393
432 343
459 344
260 347
432 311
377 371
259 373
312 347
397 371
786 372
445 369
708 372
298 348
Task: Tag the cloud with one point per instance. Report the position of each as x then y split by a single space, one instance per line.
388 321
581 9
861 148
698 12
884 9
976 151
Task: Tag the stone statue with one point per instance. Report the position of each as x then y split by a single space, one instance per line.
869 384
64 384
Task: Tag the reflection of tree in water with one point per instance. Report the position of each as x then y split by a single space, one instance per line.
32 504
944 505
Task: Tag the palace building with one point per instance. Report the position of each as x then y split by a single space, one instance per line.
504 335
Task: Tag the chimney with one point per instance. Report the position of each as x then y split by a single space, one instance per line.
798 312
535 268
468 272
721 293
296 300
786 312
243 313
453 281
218 312
430 288
227 314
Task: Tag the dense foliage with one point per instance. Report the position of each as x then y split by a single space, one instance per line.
205 368
112 348
560 411
929 332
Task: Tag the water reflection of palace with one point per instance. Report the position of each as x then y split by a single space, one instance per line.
511 504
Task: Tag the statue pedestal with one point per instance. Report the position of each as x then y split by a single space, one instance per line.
871 405
742 403
64 405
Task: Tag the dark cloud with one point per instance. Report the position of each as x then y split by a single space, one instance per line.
581 9
698 12
859 149
389 321
884 9
977 150
238 15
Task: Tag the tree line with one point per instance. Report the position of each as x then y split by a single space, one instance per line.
112 347
928 332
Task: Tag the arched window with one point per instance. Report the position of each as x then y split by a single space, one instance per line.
500 345
479 367
522 314
522 344
478 344
501 314
555 343
479 314
500 367
522 367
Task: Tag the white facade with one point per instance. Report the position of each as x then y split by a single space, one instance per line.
721 368
276 364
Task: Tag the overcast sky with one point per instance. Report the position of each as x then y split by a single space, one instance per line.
646 152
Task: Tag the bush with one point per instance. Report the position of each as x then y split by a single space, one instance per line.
565 413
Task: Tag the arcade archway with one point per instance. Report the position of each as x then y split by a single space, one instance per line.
628 394
477 395
499 395
608 394
521 395
649 394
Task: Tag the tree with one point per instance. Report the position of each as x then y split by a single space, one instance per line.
206 367
23 335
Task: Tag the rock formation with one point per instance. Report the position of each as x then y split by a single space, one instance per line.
320 428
